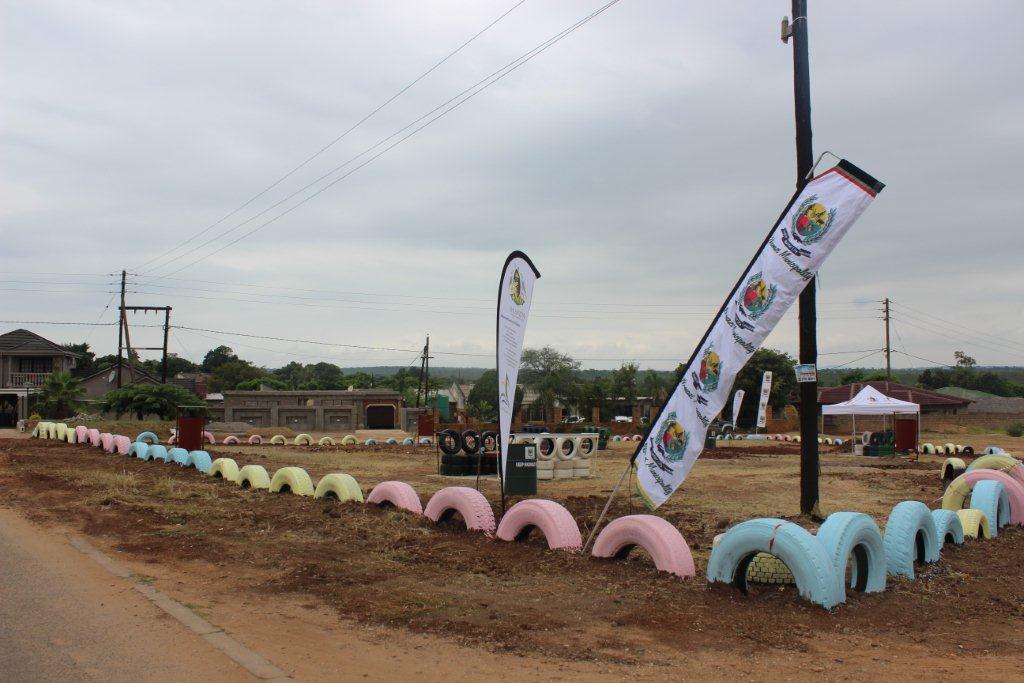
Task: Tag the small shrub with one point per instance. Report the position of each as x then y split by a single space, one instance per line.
1016 429
35 417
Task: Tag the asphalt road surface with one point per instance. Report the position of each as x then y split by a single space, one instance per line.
63 618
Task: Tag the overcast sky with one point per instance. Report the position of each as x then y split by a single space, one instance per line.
639 162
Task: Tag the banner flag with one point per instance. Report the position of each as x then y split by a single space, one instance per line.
515 295
809 228
762 404
737 401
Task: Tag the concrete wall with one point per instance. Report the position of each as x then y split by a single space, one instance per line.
319 411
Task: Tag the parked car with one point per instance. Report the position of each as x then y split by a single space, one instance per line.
622 418
572 419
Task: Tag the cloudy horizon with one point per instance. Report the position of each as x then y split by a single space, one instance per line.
639 162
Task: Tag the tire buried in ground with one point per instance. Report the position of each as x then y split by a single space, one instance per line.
339 486
948 527
469 503
224 468
852 539
396 493
253 477
655 535
556 523
293 480
910 538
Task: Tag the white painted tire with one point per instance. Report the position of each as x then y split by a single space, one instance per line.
658 537
566 448
303 440
293 480
340 486
398 494
253 477
469 503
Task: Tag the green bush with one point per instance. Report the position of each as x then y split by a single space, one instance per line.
1016 429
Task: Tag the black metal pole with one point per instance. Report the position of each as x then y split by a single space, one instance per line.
120 332
888 347
809 464
167 328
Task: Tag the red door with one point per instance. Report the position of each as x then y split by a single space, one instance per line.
906 434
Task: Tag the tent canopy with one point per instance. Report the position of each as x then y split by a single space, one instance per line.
870 401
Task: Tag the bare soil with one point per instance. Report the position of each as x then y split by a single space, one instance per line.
388 570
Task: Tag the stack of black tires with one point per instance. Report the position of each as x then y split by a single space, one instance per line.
464 454
881 444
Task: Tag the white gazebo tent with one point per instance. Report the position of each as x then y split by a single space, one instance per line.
870 401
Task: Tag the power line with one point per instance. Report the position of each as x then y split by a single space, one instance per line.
339 138
855 360
473 91
52 322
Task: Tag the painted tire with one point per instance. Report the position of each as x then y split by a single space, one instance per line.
107 442
616 438
61 431
178 456
449 441
547 447
968 450
370 442
470 442
230 440
349 441
326 441
224 468
200 460
408 441
292 480
853 539
256 440
391 441
993 450
70 436
424 440
961 487
928 448
554 521
811 566
303 440
140 449
340 486
278 440
148 437
122 444
81 434
94 437
952 468
635 437
209 438
1000 463
158 452
489 441
948 527
587 446
657 536
51 430
974 523
470 503
172 440
566 448
396 493
991 498
959 448
910 536
253 477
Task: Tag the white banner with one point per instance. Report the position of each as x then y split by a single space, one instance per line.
515 295
762 404
737 401
810 227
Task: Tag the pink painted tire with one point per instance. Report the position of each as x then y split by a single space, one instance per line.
256 439
230 440
636 437
469 503
208 436
122 444
398 494
657 536
173 440
107 442
81 434
554 521
966 481
93 435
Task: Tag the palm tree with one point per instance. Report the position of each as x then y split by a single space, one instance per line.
60 395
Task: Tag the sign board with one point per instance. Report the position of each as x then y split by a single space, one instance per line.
807 373
521 476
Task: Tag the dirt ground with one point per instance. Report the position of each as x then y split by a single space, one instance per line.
404 580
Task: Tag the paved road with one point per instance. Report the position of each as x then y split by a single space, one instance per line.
63 618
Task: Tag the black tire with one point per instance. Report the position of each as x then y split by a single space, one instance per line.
449 441
490 464
489 441
470 442
968 450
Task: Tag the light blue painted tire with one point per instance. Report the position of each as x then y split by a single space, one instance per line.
392 441
153 438
200 460
370 442
178 456
993 450
140 450
803 554
910 535
616 438
853 538
425 441
838 442
408 441
948 527
991 498
158 452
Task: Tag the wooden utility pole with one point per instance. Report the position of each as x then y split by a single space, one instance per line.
424 385
796 28
888 347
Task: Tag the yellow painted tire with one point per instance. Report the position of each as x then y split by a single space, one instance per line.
326 441
253 477
338 485
1003 463
303 440
952 468
51 430
765 568
61 431
349 441
975 523
69 435
292 480
224 468
278 440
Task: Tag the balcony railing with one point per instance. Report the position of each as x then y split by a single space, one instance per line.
24 379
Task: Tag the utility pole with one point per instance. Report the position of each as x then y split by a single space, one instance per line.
167 329
120 331
888 348
796 28
424 384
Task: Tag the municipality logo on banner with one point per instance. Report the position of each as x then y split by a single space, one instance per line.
515 294
813 223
